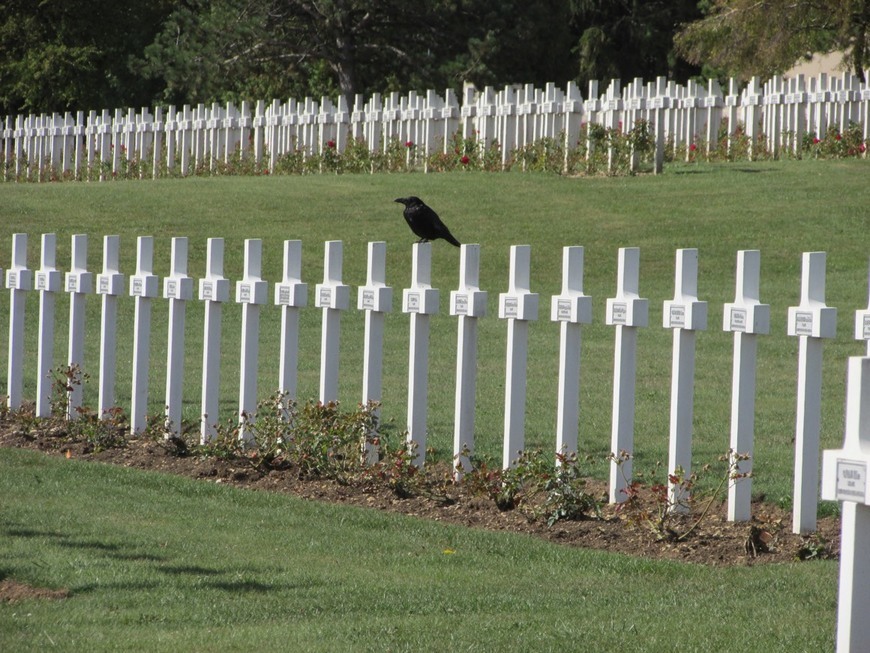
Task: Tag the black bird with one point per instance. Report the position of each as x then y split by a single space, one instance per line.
424 221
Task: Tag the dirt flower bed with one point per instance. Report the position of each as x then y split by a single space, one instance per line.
712 540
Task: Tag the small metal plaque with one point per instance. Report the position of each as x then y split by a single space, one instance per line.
619 313
851 481
738 319
803 323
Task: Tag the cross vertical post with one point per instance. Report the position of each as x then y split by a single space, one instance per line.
18 280
110 284
468 304
48 283
178 289
811 321
844 478
251 293
143 288
333 297
376 299
79 283
518 306
570 309
685 315
214 290
627 312
420 301
746 318
291 295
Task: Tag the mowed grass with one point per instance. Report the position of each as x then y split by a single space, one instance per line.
162 563
780 208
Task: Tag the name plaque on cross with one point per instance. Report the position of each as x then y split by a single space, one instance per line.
851 484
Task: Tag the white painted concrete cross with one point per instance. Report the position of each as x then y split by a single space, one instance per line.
143 288
420 301
862 324
110 284
571 308
627 312
214 290
811 321
178 289
251 293
468 303
518 306
78 282
747 318
685 315
291 295
376 299
333 297
844 478
19 280
48 283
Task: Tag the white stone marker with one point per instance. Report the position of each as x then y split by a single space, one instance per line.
811 321
844 478
518 306
18 280
685 315
291 295
178 289
468 303
143 288
862 324
110 284
627 312
251 293
48 283
376 299
78 282
571 309
333 297
214 290
420 301
746 318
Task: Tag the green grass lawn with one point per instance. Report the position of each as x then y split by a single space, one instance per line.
162 563
781 208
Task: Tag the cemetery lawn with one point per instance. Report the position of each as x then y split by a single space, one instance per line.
102 557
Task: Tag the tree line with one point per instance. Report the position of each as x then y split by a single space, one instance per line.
63 55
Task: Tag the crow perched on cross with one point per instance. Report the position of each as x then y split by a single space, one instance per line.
424 222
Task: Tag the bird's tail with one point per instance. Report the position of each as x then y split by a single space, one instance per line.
450 239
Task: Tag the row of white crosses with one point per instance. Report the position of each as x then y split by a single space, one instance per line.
194 137
746 318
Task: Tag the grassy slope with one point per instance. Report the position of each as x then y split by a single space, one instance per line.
782 209
158 563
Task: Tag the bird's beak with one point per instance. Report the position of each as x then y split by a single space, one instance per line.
400 200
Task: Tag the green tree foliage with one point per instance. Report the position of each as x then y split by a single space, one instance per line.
58 55
766 37
630 38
